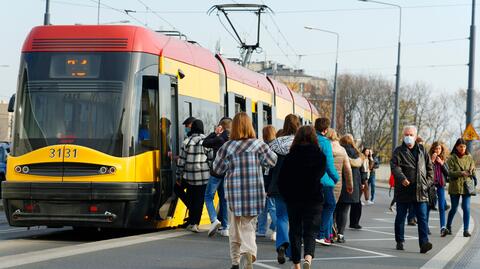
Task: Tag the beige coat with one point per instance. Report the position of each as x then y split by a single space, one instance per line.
342 164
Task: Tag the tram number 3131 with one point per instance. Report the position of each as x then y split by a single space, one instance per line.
67 153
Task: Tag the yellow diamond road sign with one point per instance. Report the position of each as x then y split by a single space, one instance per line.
470 133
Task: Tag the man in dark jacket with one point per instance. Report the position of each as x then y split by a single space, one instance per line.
413 174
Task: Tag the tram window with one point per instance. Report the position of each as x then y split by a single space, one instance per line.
187 109
239 104
148 122
267 115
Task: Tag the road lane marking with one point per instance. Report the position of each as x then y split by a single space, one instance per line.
265 265
448 253
377 239
364 250
61 252
380 232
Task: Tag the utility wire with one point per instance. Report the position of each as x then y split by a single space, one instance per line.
277 44
156 14
123 11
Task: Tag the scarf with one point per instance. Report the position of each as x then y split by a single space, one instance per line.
438 176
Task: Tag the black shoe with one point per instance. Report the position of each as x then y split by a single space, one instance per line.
235 266
429 233
426 247
356 226
400 246
447 207
281 255
466 234
449 230
340 238
444 232
412 222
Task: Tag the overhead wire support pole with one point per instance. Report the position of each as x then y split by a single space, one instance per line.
471 75
46 17
334 94
396 110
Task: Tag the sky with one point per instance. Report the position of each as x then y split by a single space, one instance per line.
434 34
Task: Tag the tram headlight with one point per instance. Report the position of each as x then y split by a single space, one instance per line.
18 169
103 170
112 170
25 169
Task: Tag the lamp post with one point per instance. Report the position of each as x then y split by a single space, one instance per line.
334 101
471 73
397 75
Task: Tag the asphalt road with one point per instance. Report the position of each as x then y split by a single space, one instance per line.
371 247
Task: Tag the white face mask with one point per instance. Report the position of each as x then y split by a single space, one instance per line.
409 140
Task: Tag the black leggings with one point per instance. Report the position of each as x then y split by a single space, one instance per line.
355 213
196 197
304 222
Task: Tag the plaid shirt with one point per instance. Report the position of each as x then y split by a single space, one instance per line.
241 161
193 164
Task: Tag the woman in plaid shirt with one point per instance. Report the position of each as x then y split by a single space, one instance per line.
241 160
193 166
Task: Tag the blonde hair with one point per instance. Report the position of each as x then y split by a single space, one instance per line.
242 127
348 140
268 133
332 134
226 124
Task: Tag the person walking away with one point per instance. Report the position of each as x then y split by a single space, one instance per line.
180 184
412 169
268 135
440 174
461 172
300 186
372 179
353 199
281 146
214 141
242 160
365 169
345 185
329 179
193 165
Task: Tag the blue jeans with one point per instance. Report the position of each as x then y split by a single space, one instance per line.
455 198
411 212
371 182
213 185
421 214
282 225
326 223
442 204
263 219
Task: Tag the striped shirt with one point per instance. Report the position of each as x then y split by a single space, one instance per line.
241 162
194 161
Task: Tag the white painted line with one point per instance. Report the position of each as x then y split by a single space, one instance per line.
448 252
364 250
377 239
393 227
13 230
380 232
61 252
257 263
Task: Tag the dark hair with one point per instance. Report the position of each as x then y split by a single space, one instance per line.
443 154
365 149
460 141
189 120
290 125
197 127
305 135
322 124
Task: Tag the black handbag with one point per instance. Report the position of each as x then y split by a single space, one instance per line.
469 187
432 197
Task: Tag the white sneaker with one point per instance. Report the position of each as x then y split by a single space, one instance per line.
214 228
363 203
224 232
193 228
323 242
273 236
369 202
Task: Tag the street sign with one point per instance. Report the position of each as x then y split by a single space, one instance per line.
470 133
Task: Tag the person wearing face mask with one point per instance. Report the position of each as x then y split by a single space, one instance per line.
413 174
188 126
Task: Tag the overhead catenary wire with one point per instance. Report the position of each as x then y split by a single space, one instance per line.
123 11
156 14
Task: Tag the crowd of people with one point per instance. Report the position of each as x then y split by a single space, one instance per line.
310 181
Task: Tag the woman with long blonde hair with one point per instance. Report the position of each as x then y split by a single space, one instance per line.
242 160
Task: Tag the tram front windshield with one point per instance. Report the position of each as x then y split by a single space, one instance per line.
72 98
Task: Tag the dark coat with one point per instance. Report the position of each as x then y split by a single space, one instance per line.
215 142
419 171
353 198
300 175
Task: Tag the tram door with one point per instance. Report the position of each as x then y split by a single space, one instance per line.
168 132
